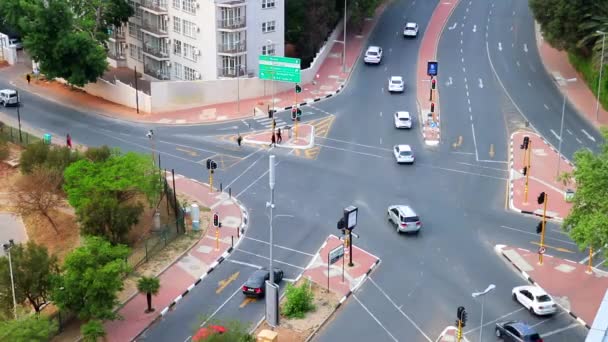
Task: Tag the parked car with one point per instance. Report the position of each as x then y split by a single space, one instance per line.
255 286
403 154
534 299
9 97
410 30
373 55
403 120
16 43
404 219
396 84
515 331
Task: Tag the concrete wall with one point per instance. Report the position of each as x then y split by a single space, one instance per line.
309 73
8 54
117 92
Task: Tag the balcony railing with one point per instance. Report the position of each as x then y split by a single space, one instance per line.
232 24
113 55
118 35
232 47
155 5
231 4
153 27
160 74
156 51
232 72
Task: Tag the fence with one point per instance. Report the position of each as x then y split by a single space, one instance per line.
13 135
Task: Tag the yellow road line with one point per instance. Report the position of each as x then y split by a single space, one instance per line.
247 301
222 284
559 249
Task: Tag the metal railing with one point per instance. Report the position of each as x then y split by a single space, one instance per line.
156 51
232 47
158 73
155 5
152 27
232 72
232 24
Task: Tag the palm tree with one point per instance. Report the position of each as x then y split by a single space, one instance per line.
596 19
149 286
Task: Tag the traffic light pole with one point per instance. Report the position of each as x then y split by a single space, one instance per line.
528 171
210 180
459 332
295 127
542 233
350 248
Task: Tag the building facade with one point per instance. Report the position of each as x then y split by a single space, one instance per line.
198 39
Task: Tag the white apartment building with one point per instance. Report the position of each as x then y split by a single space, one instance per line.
198 39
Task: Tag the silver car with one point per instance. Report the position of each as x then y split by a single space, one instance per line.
404 219
373 55
403 154
396 84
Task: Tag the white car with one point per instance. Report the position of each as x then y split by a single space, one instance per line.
16 43
9 97
534 299
404 218
410 30
396 84
404 154
373 55
403 120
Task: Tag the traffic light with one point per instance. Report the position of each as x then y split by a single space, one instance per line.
208 164
462 316
526 143
213 165
541 198
216 220
539 227
341 224
525 170
299 113
298 89
433 85
293 113
432 107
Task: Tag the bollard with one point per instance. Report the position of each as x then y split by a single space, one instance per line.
238 232
230 192
221 187
232 241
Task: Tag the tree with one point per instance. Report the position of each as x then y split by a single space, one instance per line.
560 21
149 286
38 193
587 223
33 269
31 328
46 156
107 217
92 330
91 278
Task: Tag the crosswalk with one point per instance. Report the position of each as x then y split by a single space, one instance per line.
266 122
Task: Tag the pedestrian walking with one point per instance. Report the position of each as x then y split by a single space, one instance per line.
239 140
279 137
273 141
68 140
28 78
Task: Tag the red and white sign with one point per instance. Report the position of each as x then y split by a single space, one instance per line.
541 250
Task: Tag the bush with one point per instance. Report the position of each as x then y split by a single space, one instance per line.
92 330
53 157
299 301
34 154
591 75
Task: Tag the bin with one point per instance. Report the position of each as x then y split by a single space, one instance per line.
46 138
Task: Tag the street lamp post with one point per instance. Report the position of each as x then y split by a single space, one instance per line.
599 82
482 294
270 42
344 42
238 88
271 183
561 129
7 249
150 136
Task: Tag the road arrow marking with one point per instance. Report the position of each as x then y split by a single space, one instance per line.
525 47
499 46
588 135
480 83
449 82
474 28
227 128
247 301
222 284
579 141
556 136
453 26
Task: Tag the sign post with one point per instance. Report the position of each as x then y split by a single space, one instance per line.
283 69
350 218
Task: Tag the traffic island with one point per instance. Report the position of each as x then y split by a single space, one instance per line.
539 170
302 140
563 279
450 334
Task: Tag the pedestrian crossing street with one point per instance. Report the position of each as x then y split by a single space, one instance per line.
267 123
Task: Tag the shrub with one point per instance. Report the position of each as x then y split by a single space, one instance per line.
591 75
53 157
92 330
34 154
299 301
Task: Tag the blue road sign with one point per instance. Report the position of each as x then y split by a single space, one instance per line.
431 68
433 124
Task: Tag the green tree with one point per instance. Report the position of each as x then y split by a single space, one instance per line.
30 328
149 286
107 217
57 158
560 21
33 269
587 223
92 330
91 278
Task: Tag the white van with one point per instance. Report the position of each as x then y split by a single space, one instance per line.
8 97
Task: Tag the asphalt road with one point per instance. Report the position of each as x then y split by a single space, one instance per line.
458 193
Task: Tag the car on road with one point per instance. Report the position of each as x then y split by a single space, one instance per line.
410 30
9 97
396 84
403 154
403 120
404 218
373 55
515 331
534 299
255 286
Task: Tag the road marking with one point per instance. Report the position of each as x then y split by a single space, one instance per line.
474 28
467 9
247 301
461 41
453 26
375 319
274 260
494 321
279 246
399 309
254 182
547 237
462 59
357 152
579 141
449 82
483 167
525 47
587 257
547 108
588 135
557 331
559 249
385 68
380 114
569 131
466 85
599 264
474 142
517 62
222 284
464 69
462 33
529 84
244 263
467 93
461 51
221 306
191 153
471 117
354 143
245 171
470 111
555 134
480 83
499 46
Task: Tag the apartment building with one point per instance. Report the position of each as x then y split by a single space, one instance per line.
198 39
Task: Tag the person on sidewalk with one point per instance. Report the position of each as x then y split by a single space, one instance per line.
239 139
279 137
273 141
68 140
28 78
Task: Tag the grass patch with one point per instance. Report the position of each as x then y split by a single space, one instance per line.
591 75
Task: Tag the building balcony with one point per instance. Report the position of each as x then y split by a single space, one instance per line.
232 48
231 4
232 24
158 73
233 72
156 52
153 28
115 56
117 35
154 6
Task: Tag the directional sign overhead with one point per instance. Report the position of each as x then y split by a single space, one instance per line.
284 69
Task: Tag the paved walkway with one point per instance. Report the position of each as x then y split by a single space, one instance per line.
563 279
449 334
180 277
542 177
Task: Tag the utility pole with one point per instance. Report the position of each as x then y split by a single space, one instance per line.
7 249
543 198
136 92
150 136
482 294
19 117
526 146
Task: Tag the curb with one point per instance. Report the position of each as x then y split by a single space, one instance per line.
499 249
310 144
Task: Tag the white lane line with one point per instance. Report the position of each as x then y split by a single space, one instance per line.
529 84
467 9
546 107
499 46
254 182
465 80
375 319
587 257
588 135
569 131
546 237
486 34
466 86
461 41
474 28
480 83
467 153
474 142
357 152
462 33
380 114
461 51
517 62
399 309
356 144
462 59
483 167
470 111
278 246
467 93
525 47
469 101
221 306
464 69
494 321
579 141
599 264
453 26
244 263
245 171
273 259
555 134
471 117
557 331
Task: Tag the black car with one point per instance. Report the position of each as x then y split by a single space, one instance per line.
255 286
517 332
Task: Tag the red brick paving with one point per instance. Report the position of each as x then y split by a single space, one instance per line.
305 137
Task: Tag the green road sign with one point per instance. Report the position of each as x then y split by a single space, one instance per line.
283 69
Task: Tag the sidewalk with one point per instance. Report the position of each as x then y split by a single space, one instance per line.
580 96
563 279
330 80
181 276
304 140
449 334
542 177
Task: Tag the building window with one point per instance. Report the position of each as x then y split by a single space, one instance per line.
190 52
178 71
133 51
138 11
133 30
177 24
268 3
189 29
188 6
268 49
176 4
177 47
189 74
268 26
140 54
140 35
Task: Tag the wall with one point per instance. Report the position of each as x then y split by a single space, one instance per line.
7 53
309 73
117 92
